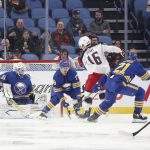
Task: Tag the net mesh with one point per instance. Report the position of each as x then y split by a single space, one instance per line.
31 65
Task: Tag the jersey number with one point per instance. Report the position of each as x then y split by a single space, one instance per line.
121 68
95 57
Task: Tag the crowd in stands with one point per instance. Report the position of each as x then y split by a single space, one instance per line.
25 37
67 23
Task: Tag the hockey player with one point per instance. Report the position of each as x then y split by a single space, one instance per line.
94 60
119 82
20 85
65 81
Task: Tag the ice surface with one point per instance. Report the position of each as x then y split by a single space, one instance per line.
75 134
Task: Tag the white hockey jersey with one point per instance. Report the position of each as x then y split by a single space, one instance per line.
94 58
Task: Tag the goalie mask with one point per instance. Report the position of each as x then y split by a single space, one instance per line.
19 68
84 42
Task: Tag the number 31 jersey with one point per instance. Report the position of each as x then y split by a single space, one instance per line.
94 58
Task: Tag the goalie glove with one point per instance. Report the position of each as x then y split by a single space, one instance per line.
32 97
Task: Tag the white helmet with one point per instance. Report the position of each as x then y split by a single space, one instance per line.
19 68
84 42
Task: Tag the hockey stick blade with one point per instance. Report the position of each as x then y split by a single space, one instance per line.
134 133
138 131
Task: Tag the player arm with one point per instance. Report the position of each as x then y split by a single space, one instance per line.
141 72
57 87
145 76
111 49
76 85
3 79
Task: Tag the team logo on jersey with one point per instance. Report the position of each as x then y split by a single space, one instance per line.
66 87
20 88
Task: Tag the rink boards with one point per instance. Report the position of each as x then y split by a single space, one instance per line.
43 80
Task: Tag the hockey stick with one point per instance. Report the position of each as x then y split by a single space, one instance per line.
68 113
134 133
23 111
9 99
138 131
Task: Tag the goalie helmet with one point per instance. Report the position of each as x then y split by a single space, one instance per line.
19 68
84 42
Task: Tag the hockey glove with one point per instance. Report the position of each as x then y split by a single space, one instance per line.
64 104
32 97
96 88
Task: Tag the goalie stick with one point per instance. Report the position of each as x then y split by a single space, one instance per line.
9 98
134 133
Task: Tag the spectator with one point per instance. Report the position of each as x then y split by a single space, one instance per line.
16 55
16 33
61 36
25 44
5 44
64 55
18 6
94 40
51 47
114 58
99 26
76 26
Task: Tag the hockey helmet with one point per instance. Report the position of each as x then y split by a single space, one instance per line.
64 63
84 42
19 68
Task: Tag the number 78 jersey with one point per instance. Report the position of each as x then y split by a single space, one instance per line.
94 58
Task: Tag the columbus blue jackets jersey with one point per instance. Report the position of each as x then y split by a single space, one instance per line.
127 70
20 86
62 84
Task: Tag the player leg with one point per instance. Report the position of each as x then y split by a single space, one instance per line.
103 108
112 89
53 102
138 92
90 82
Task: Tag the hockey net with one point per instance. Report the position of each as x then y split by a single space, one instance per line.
41 73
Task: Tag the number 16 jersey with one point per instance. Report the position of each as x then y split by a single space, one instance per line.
94 58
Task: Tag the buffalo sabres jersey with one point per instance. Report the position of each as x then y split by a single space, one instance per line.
21 86
62 84
94 58
127 70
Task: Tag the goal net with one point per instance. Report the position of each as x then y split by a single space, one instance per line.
41 73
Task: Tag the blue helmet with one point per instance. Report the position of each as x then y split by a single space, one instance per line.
64 63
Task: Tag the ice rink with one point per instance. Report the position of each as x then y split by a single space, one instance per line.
75 134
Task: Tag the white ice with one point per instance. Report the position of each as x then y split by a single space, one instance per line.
75 134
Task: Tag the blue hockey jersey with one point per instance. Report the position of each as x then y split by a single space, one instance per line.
128 69
63 84
20 86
